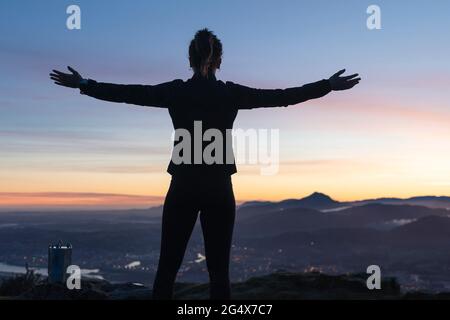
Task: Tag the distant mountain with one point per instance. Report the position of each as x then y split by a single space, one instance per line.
376 214
426 201
426 230
323 202
316 200
273 220
426 238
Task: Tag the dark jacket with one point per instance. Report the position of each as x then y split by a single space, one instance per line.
213 102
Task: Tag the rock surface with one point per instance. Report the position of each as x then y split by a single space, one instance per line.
281 285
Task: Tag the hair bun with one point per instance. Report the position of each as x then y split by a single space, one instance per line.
205 49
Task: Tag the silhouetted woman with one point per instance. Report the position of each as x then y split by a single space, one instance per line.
198 185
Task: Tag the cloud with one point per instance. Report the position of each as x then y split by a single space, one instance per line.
75 200
70 141
94 168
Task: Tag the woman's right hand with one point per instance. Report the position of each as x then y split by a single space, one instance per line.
70 80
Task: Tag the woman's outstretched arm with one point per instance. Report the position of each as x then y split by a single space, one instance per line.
144 95
249 98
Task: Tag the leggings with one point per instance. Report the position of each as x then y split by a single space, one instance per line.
214 199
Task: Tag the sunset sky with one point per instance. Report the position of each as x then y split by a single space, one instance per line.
390 136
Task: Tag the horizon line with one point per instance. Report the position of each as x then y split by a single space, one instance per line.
98 201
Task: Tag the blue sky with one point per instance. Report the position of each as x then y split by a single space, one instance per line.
54 140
